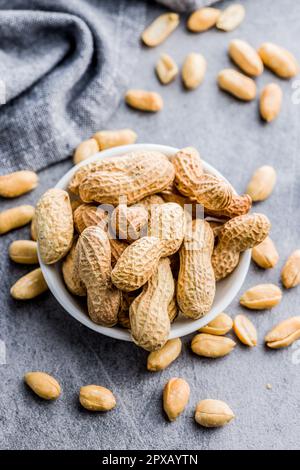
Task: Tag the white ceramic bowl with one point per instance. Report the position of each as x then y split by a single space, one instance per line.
225 292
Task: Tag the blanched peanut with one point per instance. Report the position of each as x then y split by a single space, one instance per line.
15 218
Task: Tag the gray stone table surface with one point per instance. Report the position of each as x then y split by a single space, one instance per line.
40 335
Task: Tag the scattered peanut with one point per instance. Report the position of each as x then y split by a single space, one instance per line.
70 273
213 413
193 70
239 205
265 254
231 17
284 334
162 358
262 183
246 57
29 286
54 220
144 100
23 251
203 19
245 330
279 60
33 229
85 149
237 235
148 313
44 385
212 346
237 84
113 138
166 69
196 281
15 218
270 102
160 29
176 395
96 398
290 274
18 183
219 326
261 297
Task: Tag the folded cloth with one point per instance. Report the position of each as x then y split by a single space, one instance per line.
64 65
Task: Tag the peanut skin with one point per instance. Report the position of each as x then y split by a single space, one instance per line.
18 183
54 220
196 280
137 264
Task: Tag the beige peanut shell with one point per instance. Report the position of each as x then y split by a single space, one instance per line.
129 223
70 273
87 215
196 281
137 264
93 264
236 236
149 318
167 222
18 183
54 220
133 176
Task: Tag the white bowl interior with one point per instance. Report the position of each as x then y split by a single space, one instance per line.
75 306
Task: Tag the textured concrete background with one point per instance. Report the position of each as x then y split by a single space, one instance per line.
40 335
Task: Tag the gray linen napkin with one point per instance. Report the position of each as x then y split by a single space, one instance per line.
64 65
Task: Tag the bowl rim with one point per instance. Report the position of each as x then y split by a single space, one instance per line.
64 297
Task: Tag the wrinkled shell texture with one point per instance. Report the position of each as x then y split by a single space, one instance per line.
213 413
93 262
54 220
167 223
290 274
196 281
211 345
137 264
87 215
70 273
44 385
162 358
238 235
149 319
135 176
